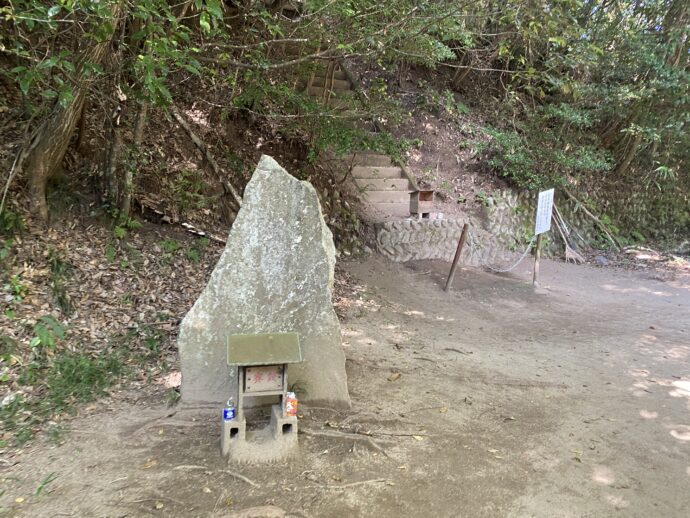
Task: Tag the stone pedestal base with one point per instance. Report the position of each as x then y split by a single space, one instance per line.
232 432
275 442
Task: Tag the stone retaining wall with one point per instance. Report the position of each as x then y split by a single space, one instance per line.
501 233
509 216
652 212
411 240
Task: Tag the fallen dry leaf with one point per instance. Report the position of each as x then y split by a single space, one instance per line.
171 380
150 463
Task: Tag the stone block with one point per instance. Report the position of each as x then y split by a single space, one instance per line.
284 428
275 442
231 433
274 275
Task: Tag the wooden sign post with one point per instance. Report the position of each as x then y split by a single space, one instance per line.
537 256
541 225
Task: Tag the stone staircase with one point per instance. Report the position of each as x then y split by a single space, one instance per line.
331 86
384 189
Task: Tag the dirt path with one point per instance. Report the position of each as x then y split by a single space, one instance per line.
572 402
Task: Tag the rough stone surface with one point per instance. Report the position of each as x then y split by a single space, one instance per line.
509 215
275 275
264 511
411 240
502 231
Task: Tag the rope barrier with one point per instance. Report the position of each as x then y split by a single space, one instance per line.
501 270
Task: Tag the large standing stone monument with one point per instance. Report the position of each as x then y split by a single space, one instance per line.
275 275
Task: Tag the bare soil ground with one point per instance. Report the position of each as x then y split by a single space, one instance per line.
491 400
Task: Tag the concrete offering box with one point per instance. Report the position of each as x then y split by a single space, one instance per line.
261 360
421 204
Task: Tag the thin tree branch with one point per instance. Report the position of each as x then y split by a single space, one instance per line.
596 220
467 67
283 64
258 44
13 172
206 153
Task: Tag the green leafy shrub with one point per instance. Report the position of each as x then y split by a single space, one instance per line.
10 222
60 271
77 376
535 158
48 331
188 190
170 245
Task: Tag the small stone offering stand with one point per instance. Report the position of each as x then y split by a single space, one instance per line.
262 361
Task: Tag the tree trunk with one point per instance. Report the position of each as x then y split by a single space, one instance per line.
81 130
403 70
611 132
140 124
47 149
112 184
675 27
630 154
463 70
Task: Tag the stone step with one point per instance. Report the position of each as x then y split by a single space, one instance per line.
338 74
317 91
376 172
340 104
321 72
385 211
368 126
388 184
385 197
338 84
298 49
369 159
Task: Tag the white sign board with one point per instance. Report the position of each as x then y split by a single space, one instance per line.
544 208
263 379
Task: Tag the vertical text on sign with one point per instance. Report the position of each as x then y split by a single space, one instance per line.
544 208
